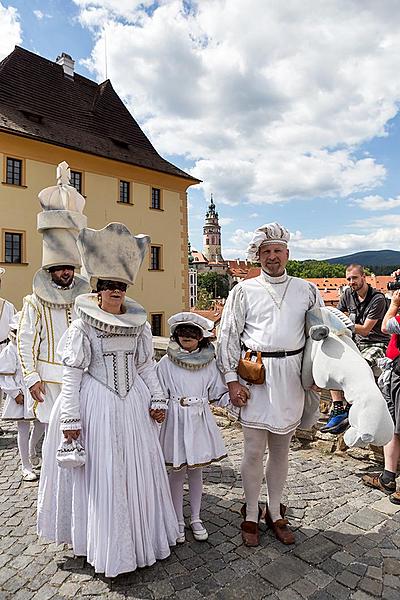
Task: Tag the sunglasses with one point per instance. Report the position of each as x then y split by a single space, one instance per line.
113 285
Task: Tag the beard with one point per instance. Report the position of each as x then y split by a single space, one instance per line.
62 281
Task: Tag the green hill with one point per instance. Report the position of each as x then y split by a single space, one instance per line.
377 260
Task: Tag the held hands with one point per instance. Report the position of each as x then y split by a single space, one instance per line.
20 398
238 394
157 414
37 391
72 434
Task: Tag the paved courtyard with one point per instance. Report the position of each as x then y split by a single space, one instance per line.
348 541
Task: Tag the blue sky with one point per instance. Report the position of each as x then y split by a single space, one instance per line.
287 112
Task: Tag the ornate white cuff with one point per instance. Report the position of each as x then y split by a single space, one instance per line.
70 424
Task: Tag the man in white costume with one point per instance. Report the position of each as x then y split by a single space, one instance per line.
49 310
267 314
7 311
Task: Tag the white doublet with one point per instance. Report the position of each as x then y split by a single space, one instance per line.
268 314
7 312
12 383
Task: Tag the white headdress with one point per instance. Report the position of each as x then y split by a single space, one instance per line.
271 233
112 253
60 221
190 318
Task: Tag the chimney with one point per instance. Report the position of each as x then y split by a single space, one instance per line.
65 60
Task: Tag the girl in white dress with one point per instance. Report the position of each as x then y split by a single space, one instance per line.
16 404
190 437
116 509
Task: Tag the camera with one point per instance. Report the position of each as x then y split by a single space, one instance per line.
394 285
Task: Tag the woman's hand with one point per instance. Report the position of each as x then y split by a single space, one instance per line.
72 434
395 299
20 398
157 414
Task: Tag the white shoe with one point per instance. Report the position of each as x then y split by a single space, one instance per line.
182 538
200 534
28 475
35 461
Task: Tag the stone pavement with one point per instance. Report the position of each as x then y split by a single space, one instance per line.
348 541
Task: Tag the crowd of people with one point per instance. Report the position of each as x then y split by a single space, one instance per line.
122 433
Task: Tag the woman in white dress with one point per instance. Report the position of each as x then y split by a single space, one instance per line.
116 509
16 404
189 435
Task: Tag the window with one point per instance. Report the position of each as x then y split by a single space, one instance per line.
155 258
14 171
156 198
76 180
124 192
156 323
12 247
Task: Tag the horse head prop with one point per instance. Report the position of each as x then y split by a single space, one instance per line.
332 361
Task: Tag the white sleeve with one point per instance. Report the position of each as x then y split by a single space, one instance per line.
146 368
217 391
8 371
75 358
315 298
229 336
28 340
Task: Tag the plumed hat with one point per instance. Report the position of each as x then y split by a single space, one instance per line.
190 318
271 233
60 221
112 253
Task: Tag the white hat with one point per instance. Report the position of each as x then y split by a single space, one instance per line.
271 233
112 253
190 318
60 221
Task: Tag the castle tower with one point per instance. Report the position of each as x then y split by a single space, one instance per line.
212 235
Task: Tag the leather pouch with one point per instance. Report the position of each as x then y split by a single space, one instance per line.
252 371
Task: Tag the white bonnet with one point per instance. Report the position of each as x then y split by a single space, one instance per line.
271 233
190 318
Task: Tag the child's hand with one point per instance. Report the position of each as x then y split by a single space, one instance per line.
20 398
157 414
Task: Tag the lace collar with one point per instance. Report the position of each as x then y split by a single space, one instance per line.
280 279
131 322
56 297
190 360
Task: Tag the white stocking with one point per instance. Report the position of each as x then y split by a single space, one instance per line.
252 468
23 444
176 481
276 470
195 478
36 434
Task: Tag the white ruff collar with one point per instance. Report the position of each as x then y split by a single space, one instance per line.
131 322
280 279
56 297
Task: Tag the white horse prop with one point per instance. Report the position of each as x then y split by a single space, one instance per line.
332 361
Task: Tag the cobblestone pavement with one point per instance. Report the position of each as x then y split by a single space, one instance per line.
348 541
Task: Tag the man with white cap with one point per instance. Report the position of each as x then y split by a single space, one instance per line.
7 311
266 315
49 310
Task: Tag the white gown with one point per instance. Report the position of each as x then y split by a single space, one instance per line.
12 383
116 510
189 435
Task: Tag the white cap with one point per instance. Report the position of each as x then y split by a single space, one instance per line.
270 233
190 318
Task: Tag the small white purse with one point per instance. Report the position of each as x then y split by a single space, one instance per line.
71 454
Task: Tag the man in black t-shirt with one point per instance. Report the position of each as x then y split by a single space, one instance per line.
366 307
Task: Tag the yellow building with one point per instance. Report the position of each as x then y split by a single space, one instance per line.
49 114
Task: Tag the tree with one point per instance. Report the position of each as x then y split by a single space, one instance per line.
314 269
215 284
204 299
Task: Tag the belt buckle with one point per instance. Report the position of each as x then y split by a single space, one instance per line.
183 402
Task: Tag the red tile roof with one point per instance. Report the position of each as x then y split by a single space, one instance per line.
38 101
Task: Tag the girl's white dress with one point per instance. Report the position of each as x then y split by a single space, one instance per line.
12 383
116 510
189 435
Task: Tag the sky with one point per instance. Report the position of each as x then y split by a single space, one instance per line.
287 111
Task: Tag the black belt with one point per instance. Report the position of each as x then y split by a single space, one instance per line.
4 341
277 354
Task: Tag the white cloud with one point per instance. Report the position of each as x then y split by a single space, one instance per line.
41 15
225 220
377 222
10 29
377 203
264 121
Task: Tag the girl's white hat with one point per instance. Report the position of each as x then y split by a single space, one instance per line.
190 318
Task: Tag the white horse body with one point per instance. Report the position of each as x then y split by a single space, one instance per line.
332 361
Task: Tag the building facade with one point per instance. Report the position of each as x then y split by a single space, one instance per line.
51 114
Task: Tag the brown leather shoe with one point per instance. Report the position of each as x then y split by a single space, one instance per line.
280 527
374 480
250 533
268 520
